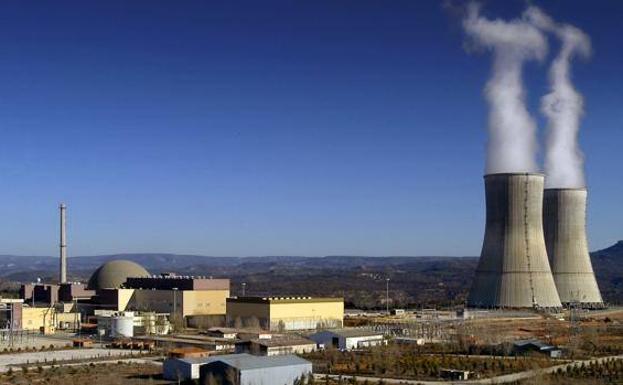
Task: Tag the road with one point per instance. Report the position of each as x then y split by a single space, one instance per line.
14 360
484 381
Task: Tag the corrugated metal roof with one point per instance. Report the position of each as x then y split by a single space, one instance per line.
246 361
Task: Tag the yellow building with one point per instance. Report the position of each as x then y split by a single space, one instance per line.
38 318
285 313
183 303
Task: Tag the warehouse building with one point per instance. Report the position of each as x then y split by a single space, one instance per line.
245 369
237 369
348 339
285 313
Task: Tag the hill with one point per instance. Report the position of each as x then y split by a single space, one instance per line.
425 281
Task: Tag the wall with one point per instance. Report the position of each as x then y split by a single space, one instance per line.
356 342
174 369
73 319
306 314
245 312
187 302
204 302
34 318
294 349
285 375
159 301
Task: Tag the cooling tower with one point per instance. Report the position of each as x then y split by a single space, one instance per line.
564 218
513 270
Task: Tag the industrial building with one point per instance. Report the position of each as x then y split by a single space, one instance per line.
513 270
276 346
245 369
524 347
564 217
182 369
285 313
243 334
39 293
348 339
18 316
113 324
118 286
126 286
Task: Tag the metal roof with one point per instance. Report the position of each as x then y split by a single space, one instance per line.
350 333
275 342
536 343
246 361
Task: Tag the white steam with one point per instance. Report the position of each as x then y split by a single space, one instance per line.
563 105
512 131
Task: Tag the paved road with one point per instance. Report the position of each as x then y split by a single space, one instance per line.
494 380
17 359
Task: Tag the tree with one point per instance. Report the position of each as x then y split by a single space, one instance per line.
281 326
238 323
253 322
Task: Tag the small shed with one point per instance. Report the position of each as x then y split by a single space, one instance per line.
454 375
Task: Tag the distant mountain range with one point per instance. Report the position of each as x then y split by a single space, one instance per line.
423 280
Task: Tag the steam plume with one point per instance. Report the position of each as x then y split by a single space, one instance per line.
563 105
512 140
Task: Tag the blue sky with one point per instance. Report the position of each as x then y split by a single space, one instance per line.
270 128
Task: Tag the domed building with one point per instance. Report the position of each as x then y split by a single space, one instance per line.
113 274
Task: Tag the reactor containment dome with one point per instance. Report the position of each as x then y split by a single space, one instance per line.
113 274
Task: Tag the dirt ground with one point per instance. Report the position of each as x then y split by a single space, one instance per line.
104 374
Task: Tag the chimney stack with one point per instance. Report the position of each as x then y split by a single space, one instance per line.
63 247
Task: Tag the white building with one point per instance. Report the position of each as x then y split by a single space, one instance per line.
182 369
348 339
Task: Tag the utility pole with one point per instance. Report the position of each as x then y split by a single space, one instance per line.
387 295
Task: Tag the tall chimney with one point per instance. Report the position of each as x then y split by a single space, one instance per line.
63 247
513 270
564 217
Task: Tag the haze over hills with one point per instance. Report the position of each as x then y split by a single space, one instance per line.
361 280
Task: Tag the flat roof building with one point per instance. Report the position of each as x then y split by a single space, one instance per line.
285 313
176 282
276 346
39 293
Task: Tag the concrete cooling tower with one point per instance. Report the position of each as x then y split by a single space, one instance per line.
564 218
513 270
